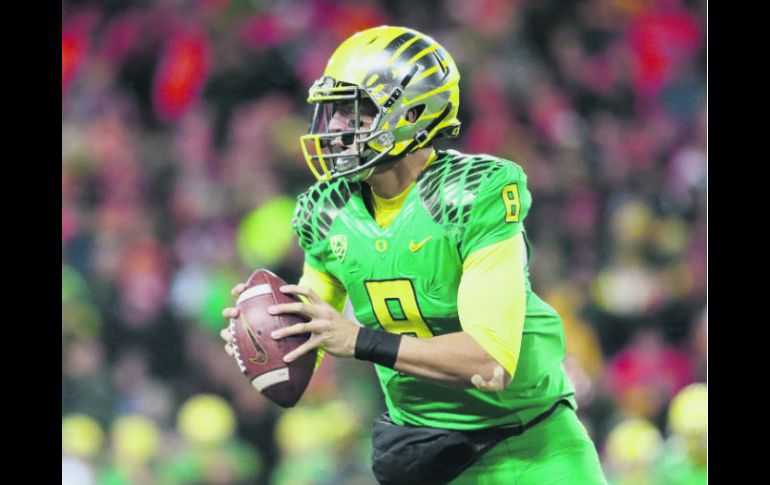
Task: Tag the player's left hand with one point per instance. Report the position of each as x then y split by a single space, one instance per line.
327 327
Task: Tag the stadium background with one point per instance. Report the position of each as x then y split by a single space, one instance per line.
181 162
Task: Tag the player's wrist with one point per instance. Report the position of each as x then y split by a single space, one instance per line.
377 346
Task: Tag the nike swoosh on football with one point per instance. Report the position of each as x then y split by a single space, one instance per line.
416 247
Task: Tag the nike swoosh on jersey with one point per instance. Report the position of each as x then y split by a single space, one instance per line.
416 247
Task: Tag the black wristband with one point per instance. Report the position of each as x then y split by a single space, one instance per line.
377 346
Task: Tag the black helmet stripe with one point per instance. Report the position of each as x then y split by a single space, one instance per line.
385 76
402 39
427 60
414 49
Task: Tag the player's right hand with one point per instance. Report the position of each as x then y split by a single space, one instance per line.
228 314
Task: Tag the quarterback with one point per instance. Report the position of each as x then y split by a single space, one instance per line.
430 248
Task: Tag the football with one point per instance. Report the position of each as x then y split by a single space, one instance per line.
258 355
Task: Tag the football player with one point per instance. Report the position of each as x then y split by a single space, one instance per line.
430 248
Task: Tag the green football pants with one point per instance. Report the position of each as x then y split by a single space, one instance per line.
557 451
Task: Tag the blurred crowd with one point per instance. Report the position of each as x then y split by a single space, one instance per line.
181 164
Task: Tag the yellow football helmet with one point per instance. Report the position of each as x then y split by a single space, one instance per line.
404 80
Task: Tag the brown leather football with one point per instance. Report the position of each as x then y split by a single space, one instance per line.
258 355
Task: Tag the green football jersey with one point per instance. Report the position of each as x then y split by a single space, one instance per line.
404 278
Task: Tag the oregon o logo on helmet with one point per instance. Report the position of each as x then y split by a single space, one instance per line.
397 89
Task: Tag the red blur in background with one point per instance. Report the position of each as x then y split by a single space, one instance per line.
182 72
660 40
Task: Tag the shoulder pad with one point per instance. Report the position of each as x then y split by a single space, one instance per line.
317 208
450 184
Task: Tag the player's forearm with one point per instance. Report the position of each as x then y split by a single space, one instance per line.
452 359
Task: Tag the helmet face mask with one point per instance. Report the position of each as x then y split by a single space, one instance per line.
329 139
386 92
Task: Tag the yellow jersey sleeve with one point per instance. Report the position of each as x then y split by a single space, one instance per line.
491 299
325 286
328 288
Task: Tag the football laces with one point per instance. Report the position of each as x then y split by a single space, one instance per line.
236 349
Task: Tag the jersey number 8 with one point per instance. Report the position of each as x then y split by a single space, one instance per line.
395 306
511 201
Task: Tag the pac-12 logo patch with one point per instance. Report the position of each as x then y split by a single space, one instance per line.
339 245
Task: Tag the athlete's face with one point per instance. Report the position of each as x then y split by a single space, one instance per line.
344 119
